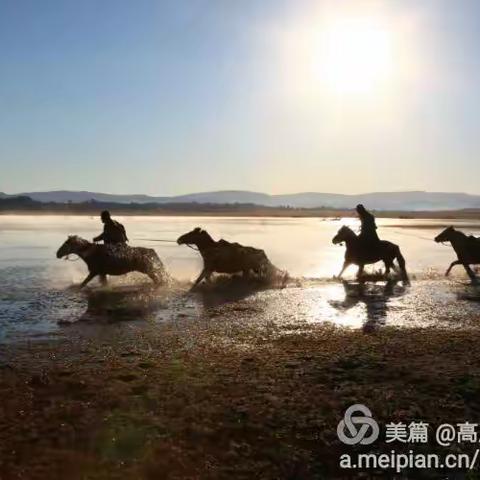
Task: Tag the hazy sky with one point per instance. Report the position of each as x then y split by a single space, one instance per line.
279 96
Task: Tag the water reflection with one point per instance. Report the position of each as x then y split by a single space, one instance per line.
470 292
110 305
228 290
374 297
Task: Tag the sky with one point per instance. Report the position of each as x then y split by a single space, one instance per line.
277 96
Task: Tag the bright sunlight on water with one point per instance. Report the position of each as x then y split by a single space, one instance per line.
36 296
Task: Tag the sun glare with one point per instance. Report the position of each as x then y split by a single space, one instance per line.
354 55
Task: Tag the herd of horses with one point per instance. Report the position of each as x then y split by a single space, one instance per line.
231 258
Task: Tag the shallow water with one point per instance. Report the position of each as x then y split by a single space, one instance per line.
36 298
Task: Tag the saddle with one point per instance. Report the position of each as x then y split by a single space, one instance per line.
114 250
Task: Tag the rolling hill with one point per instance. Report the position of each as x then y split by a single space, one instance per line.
411 201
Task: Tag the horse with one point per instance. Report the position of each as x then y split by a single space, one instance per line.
225 257
360 254
466 247
103 260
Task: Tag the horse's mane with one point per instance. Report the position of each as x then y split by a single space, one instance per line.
204 232
458 232
345 227
79 240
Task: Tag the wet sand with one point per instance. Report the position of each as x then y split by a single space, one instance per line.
233 382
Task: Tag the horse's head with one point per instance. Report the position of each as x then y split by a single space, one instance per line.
197 237
343 235
73 244
446 235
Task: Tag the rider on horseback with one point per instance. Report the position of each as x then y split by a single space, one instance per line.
368 231
113 232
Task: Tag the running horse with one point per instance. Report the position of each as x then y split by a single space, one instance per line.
103 260
225 257
466 247
359 254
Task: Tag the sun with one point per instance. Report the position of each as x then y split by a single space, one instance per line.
354 55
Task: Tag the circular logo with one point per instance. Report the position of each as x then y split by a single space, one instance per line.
348 431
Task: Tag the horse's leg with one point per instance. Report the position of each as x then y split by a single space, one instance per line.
346 264
202 275
456 262
403 269
103 280
470 273
155 278
360 270
388 266
90 276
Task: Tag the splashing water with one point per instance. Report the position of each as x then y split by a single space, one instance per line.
37 298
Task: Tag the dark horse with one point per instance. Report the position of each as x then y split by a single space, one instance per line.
226 257
466 247
106 260
361 255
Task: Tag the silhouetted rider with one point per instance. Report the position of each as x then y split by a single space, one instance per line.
113 232
368 232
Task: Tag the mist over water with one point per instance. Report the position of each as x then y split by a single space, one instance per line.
35 293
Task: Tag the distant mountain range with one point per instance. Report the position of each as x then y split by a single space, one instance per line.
411 201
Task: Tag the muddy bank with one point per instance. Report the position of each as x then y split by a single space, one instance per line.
221 397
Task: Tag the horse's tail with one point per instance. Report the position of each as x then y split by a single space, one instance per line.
279 276
273 273
157 268
401 263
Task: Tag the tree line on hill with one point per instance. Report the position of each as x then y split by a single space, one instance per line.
25 203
